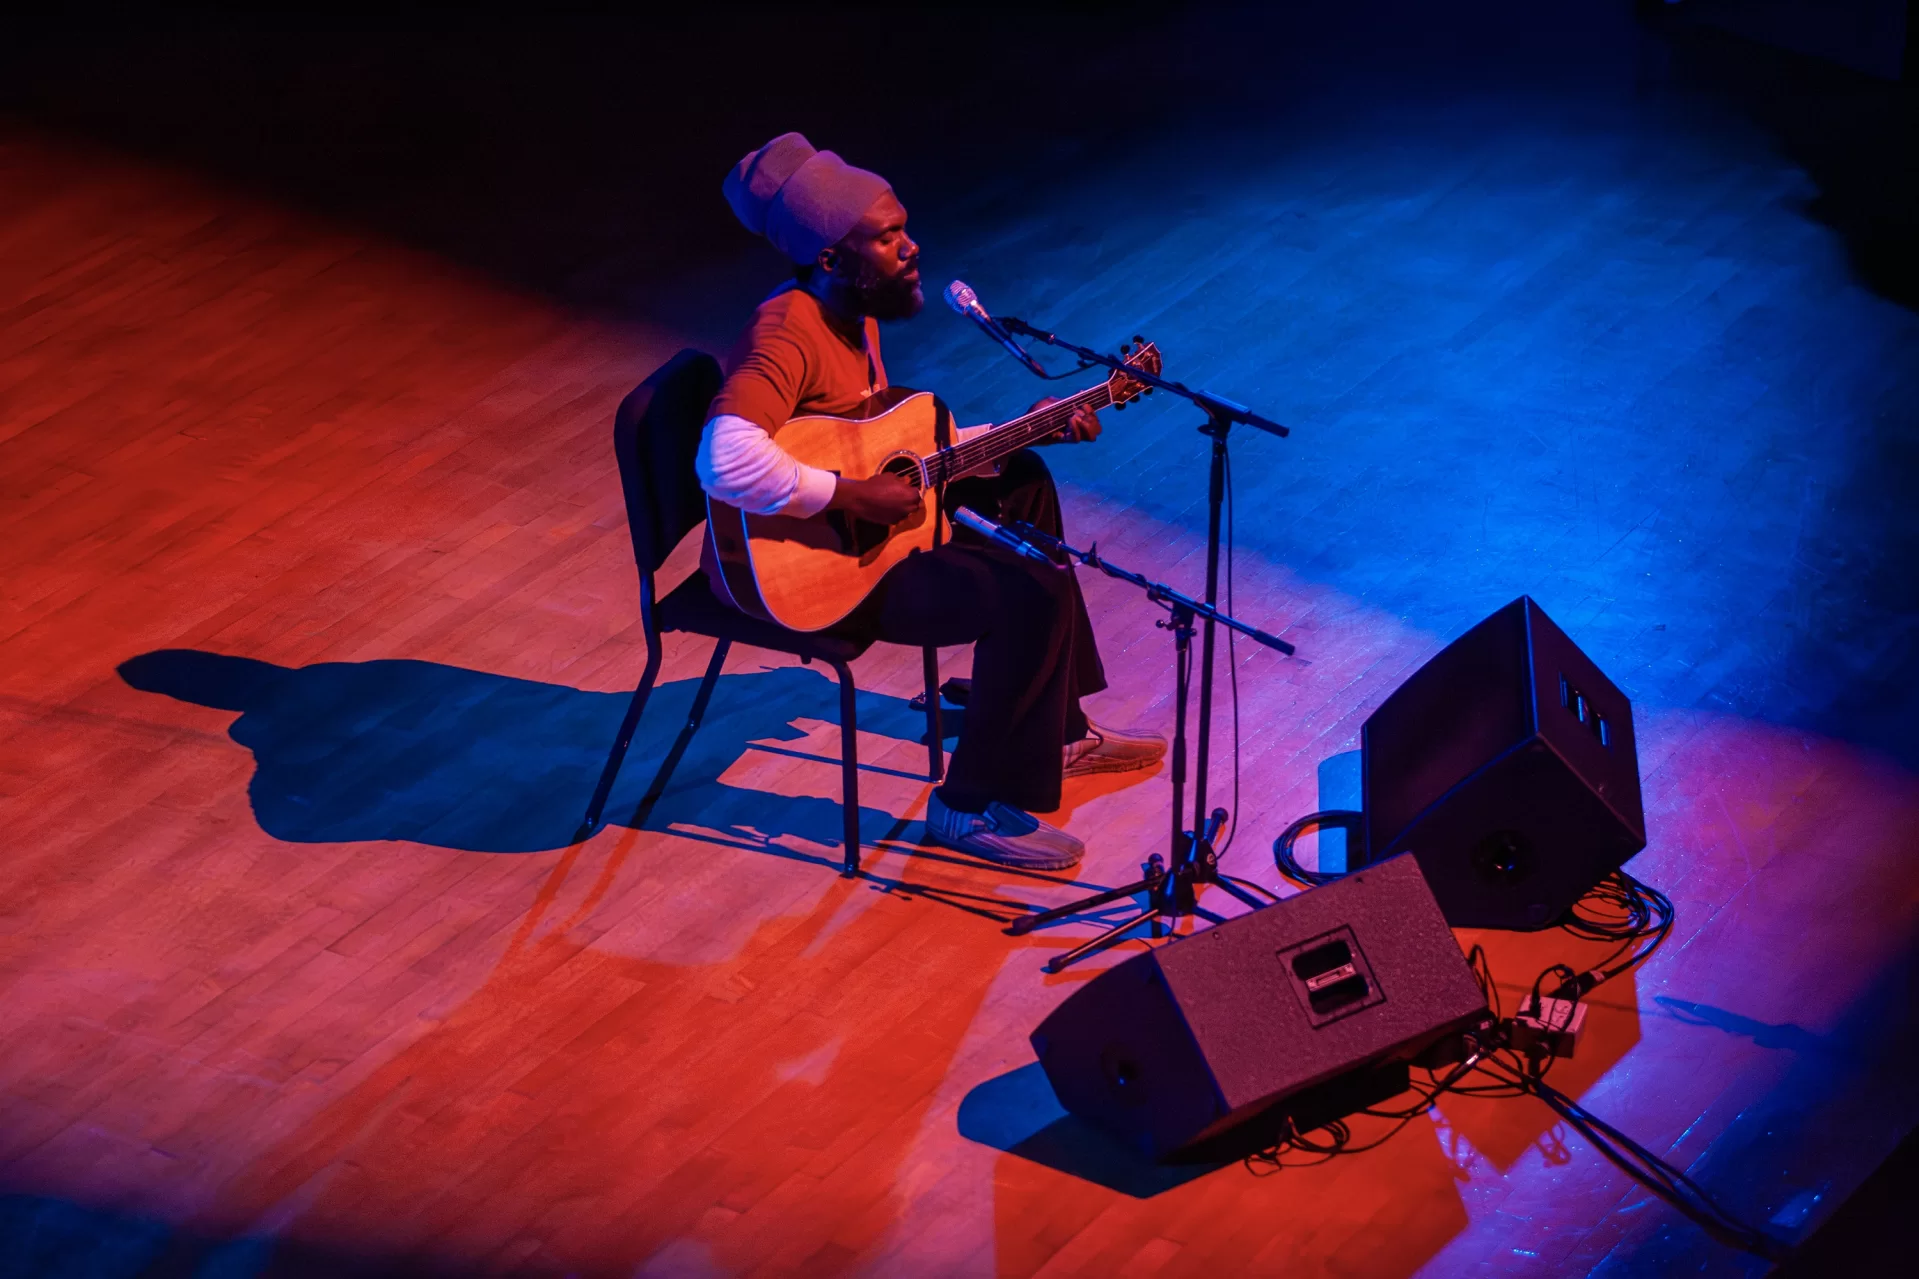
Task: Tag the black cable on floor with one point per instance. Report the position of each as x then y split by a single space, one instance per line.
1288 864
1643 915
1232 669
1649 1170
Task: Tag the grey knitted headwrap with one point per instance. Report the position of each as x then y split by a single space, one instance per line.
801 199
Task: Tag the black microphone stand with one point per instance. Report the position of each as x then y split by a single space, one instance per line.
1221 415
1172 890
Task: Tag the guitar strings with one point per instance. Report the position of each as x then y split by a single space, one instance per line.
961 459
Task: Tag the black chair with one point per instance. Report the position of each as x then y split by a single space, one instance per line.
656 434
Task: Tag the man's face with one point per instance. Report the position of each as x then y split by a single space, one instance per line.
876 268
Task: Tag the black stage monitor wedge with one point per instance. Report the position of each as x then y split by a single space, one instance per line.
1311 1007
1506 765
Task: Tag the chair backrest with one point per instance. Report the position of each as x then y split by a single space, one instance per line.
656 436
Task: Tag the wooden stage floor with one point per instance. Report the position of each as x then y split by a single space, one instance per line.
319 613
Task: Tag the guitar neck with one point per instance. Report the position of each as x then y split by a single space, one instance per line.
983 451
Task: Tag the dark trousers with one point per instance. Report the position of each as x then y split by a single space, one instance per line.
1033 650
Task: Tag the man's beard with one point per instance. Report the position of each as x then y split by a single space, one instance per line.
884 297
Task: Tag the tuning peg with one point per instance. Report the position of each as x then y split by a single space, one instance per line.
1120 407
1125 349
1138 340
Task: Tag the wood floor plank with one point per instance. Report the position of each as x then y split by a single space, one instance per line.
319 613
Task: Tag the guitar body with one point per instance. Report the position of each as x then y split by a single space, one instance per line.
806 574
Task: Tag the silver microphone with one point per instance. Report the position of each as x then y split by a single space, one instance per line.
960 296
967 517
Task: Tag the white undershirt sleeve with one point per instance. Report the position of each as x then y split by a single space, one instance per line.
741 465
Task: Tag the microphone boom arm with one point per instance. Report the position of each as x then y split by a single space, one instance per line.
1217 407
1158 592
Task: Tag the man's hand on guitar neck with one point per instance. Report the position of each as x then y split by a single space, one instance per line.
882 499
1083 428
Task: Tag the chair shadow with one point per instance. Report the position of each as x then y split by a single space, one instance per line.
349 752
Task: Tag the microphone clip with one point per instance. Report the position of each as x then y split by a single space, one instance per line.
960 296
968 518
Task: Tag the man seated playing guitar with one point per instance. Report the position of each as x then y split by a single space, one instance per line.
814 348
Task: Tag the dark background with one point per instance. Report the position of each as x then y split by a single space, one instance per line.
574 153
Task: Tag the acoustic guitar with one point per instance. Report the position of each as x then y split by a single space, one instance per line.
808 573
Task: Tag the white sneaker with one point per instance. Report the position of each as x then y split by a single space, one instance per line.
1112 750
1003 834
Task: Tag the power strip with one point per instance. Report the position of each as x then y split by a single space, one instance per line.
1550 1028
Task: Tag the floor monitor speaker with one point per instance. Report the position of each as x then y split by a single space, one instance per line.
1506 766
1309 1009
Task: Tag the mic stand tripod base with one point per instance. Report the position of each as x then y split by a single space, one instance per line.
1170 897
1171 893
1190 851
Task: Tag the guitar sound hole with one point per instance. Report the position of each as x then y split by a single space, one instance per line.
906 468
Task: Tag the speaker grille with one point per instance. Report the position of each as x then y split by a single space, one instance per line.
1429 738
1507 765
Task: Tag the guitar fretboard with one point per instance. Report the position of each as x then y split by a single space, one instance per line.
983 450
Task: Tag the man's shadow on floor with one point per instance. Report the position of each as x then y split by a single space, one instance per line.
460 759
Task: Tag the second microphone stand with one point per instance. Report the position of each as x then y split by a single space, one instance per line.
1172 892
1222 415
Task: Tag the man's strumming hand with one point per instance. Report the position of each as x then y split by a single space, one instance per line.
883 499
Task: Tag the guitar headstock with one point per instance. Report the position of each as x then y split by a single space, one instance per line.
1139 354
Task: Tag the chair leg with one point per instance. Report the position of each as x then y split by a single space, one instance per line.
621 743
849 769
935 733
685 739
